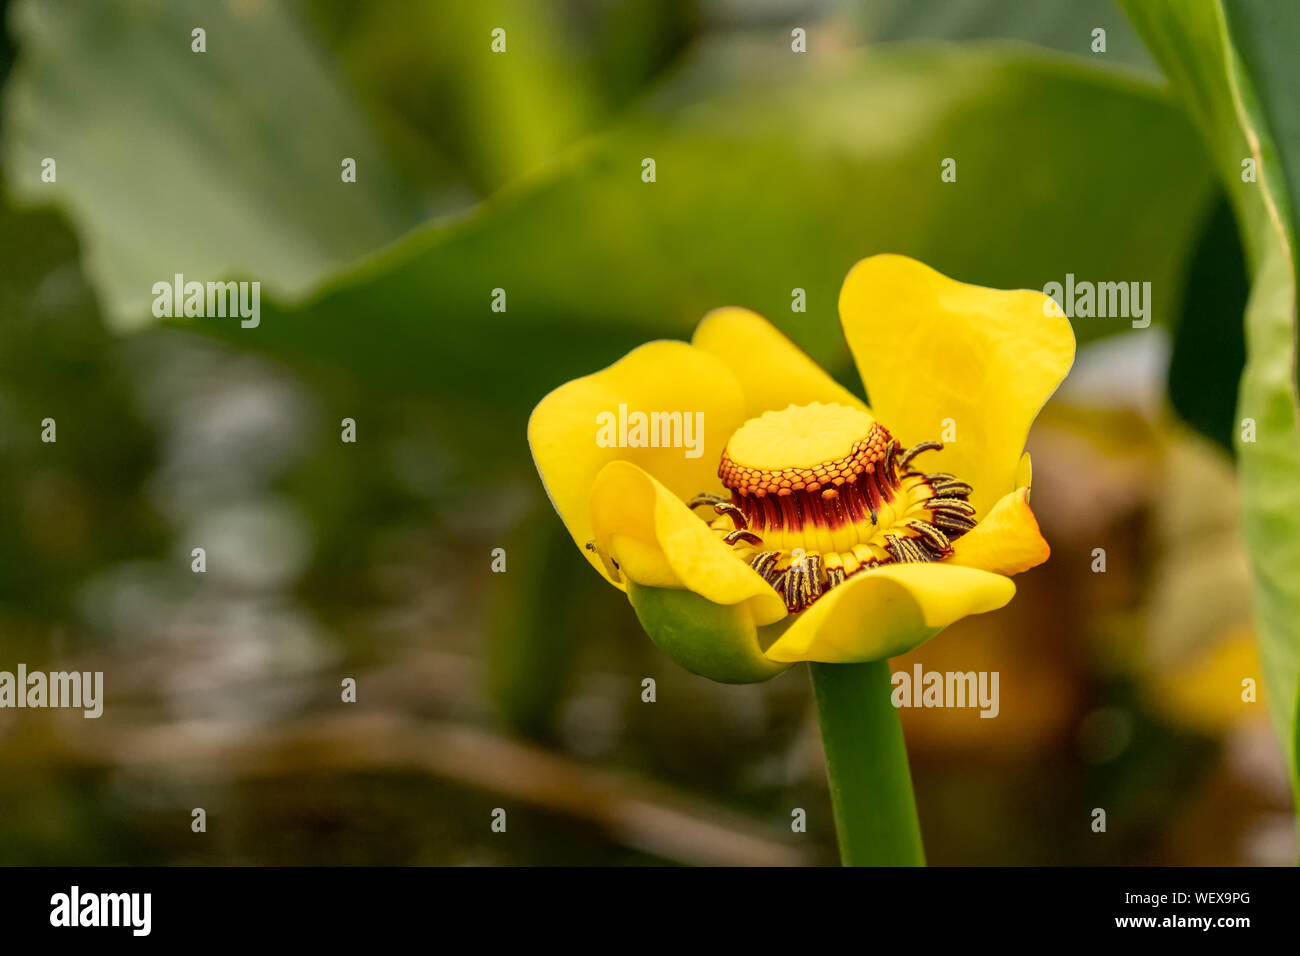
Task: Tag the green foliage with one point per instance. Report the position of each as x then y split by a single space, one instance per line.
1209 346
1232 64
199 163
759 192
1064 25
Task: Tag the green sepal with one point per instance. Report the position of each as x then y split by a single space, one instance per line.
717 641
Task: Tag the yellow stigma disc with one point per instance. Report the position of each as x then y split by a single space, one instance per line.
799 436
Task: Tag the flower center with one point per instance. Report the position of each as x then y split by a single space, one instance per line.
821 492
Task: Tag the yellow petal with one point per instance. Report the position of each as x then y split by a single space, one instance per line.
567 427
1024 472
1006 541
888 611
773 372
659 543
934 353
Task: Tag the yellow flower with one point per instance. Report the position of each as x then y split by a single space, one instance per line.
758 514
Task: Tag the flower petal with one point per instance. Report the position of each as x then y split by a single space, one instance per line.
716 641
1006 541
888 611
930 349
1024 472
773 372
660 377
659 543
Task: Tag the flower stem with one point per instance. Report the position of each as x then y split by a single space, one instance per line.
866 764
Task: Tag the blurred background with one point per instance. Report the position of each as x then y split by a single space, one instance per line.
372 560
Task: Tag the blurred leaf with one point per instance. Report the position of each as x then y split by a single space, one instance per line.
198 163
1233 62
634 40
761 191
1064 25
487 118
1209 347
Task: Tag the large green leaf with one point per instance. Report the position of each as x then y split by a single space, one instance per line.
200 163
764 189
1234 64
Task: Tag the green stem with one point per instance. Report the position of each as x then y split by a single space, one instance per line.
866 764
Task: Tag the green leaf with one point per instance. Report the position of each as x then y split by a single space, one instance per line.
200 163
761 190
1233 62
496 115
1064 25
1209 348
